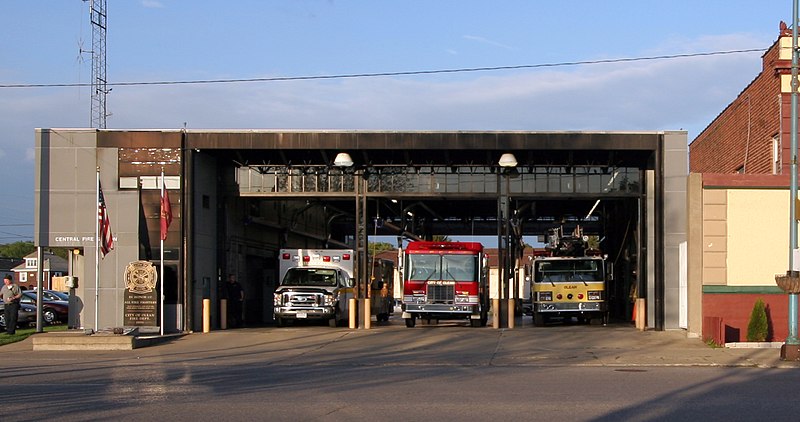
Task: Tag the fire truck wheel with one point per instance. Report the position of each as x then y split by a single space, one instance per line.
475 323
280 322
411 322
538 320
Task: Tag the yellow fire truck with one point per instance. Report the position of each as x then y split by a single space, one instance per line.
569 280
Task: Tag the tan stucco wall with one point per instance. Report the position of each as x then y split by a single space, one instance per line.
758 236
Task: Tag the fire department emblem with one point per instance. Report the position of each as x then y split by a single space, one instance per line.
140 277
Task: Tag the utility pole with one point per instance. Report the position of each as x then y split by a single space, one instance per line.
791 348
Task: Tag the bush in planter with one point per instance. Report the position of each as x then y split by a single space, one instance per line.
758 327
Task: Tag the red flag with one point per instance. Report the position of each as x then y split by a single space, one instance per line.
106 238
166 213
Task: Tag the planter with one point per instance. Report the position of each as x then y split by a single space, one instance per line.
790 282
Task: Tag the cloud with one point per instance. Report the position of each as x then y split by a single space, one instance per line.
649 95
487 41
633 96
152 4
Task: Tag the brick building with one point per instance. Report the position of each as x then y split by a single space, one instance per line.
739 204
25 273
752 134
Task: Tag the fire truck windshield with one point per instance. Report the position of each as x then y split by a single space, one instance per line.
424 267
559 270
309 277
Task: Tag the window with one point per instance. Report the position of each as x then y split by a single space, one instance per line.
30 262
23 277
776 155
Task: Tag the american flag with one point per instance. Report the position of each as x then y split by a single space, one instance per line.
106 238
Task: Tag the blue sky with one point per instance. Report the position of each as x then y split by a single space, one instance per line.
186 40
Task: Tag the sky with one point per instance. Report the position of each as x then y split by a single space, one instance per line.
538 42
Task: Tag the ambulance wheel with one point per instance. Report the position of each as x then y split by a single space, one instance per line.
280 322
411 322
538 320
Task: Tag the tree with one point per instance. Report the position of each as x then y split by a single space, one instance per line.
16 249
758 327
378 247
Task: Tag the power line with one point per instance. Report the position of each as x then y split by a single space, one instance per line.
401 73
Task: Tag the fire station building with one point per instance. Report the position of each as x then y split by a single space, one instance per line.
238 197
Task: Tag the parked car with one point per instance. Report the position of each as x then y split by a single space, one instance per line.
56 295
26 316
53 311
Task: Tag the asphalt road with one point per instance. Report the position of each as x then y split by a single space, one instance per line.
445 372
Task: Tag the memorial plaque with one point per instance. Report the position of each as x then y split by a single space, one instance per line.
140 306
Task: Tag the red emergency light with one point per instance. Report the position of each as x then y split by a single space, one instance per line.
306 258
346 257
286 256
326 259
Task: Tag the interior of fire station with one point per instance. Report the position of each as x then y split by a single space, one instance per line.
508 202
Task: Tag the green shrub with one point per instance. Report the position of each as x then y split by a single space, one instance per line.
758 327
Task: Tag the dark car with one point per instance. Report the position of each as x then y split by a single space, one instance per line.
56 295
26 316
53 311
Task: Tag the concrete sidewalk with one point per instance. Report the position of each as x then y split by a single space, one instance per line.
446 344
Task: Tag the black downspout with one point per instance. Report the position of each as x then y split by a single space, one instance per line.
186 232
658 236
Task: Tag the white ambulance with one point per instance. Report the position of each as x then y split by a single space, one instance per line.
315 284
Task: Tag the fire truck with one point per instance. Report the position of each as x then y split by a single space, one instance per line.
315 284
445 280
568 279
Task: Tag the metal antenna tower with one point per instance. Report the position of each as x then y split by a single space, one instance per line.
97 16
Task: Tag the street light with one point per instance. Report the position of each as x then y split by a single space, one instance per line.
790 350
343 160
507 162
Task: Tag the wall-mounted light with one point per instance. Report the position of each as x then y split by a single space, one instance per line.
507 160
343 159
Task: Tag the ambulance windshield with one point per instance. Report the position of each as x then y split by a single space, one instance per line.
309 277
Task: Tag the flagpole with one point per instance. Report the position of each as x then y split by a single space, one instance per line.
162 252
97 251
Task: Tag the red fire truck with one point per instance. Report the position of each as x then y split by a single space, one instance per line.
445 280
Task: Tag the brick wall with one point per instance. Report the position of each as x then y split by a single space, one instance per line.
733 311
741 136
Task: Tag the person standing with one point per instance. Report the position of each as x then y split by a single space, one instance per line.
235 301
11 294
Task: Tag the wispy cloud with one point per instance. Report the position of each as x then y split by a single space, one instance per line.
483 40
152 4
